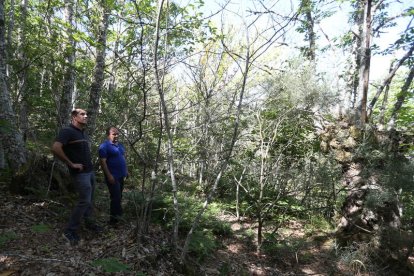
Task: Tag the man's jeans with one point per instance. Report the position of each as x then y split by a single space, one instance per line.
115 190
85 187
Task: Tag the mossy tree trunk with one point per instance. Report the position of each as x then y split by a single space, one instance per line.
373 171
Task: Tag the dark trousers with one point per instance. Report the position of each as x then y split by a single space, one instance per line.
115 191
85 186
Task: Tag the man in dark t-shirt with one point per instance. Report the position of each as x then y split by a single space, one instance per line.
72 146
113 164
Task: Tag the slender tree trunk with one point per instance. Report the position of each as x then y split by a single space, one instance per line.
383 108
13 146
204 141
170 145
23 73
389 78
259 229
264 148
238 183
114 68
355 63
361 111
405 91
65 103
10 29
98 78
306 6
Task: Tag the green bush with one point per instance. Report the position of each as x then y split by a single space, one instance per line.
163 214
202 244
317 224
220 228
275 245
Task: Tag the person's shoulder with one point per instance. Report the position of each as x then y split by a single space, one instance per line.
65 130
103 144
65 134
68 128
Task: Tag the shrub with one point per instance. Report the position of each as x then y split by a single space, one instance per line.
202 244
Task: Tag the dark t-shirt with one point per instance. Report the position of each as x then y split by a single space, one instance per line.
76 147
115 158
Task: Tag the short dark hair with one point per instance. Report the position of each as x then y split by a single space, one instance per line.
108 130
76 111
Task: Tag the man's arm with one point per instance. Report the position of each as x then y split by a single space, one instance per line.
106 171
57 149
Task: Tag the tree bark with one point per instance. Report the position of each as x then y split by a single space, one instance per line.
306 6
23 73
365 54
66 102
98 78
12 140
355 63
170 155
10 29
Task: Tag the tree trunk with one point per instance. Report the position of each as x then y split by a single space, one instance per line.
10 29
371 206
355 64
12 140
383 108
401 97
365 55
23 74
98 78
65 103
306 6
170 155
389 78
238 183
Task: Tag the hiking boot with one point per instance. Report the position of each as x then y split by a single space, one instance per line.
72 237
94 227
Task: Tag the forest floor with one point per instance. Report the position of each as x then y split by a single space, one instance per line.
31 243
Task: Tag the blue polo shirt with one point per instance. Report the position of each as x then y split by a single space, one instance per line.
115 158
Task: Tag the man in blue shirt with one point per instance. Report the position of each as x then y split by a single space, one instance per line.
113 163
72 146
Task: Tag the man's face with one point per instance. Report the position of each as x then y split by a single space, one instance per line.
113 135
82 117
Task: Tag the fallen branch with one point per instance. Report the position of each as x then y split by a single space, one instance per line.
32 258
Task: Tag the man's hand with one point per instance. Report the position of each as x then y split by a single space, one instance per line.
76 166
